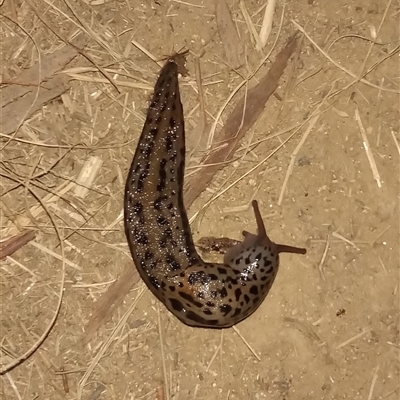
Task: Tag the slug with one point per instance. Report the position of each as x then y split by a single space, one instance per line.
198 293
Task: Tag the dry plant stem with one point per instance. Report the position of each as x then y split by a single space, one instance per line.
246 343
294 155
267 22
162 352
256 99
324 254
367 148
352 339
14 243
374 378
250 26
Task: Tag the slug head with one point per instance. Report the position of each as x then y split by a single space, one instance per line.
261 239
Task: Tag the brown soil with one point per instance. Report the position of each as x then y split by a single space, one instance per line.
329 329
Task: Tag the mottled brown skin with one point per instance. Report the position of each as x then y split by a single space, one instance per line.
158 232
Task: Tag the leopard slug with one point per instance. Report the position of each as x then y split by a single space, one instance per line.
158 233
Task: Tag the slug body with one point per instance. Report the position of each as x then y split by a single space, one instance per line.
158 233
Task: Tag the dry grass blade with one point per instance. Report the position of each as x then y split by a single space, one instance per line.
250 26
396 142
367 148
324 254
95 79
311 125
87 176
354 338
246 343
267 22
374 378
162 353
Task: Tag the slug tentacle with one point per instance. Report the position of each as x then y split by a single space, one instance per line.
158 231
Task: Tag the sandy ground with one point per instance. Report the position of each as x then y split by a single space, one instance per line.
329 328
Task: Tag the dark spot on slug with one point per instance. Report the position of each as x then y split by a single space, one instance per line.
207 311
225 309
141 238
192 316
176 304
153 132
238 293
246 299
222 271
171 261
162 175
174 156
159 200
196 277
137 207
168 143
141 179
237 312
267 261
254 290
270 270
162 220
154 282
231 280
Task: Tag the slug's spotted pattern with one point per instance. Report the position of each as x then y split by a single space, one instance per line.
158 233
